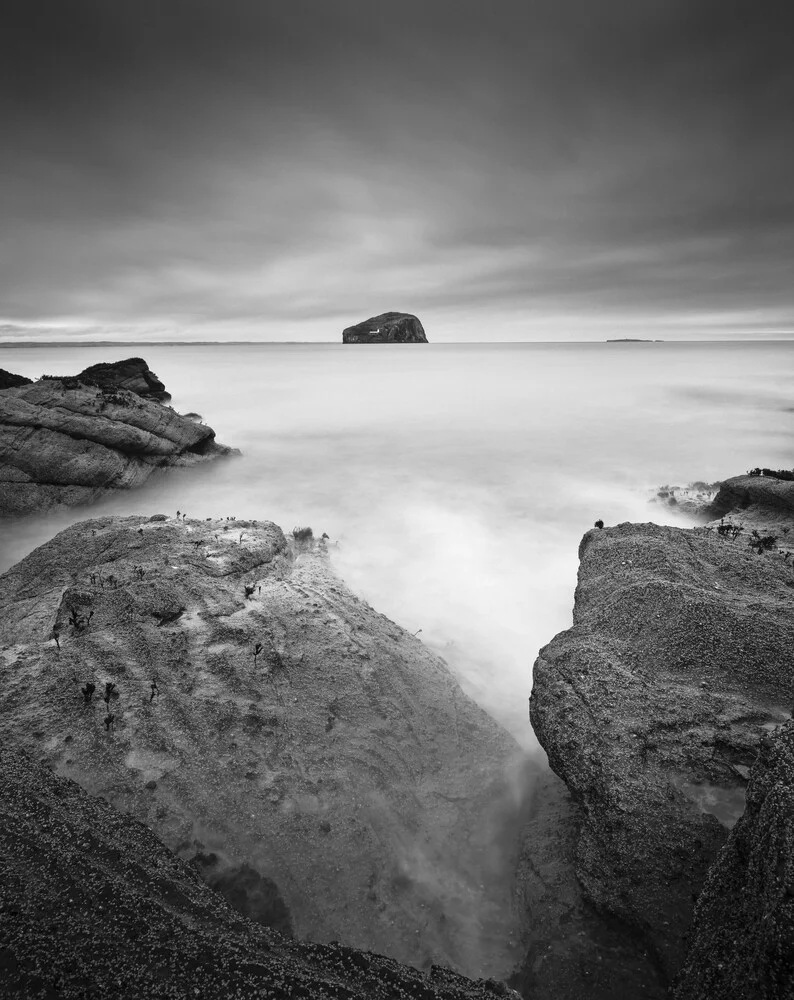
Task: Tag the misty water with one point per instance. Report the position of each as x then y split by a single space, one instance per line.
455 480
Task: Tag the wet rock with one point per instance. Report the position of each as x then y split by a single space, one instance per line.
743 930
652 706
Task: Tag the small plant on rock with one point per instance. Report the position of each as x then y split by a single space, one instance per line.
599 523
258 648
762 543
302 534
88 692
249 590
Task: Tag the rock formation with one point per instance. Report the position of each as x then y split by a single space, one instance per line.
388 328
132 374
261 713
10 381
92 904
652 706
743 930
65 442
755 501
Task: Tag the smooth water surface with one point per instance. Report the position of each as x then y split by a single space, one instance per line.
456 479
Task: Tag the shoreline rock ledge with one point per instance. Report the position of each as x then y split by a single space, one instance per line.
387 328
652 708
73 440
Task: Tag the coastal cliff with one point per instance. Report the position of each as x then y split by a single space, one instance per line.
69 441
316 761
652 708
93 904
755 500
387 328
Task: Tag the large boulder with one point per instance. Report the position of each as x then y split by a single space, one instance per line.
132 374
761 501
388 328
10 381
652 706
65 442
743 932
343 781
93 905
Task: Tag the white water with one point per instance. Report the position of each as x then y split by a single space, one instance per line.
457 479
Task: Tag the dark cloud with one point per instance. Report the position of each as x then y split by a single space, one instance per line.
251 166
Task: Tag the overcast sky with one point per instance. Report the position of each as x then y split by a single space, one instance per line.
505 169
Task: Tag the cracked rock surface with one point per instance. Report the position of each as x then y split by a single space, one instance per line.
652 708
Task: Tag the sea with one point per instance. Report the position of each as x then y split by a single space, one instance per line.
454 481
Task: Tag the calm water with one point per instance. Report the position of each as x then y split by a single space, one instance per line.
457 479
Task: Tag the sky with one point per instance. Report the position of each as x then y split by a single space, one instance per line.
504 169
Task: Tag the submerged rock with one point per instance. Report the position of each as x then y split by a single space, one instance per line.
94 905
65 442
652 707
743 931
264 715
387 328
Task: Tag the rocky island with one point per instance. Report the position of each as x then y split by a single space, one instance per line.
387 328
73 440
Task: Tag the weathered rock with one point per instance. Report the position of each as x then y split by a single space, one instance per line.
651 708
93 905
743 932
63 442
10 381
340 761
132 374
755 501
388 328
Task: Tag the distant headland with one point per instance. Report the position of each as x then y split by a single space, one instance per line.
633 340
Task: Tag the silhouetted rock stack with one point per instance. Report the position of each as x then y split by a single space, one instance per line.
652 707
387 328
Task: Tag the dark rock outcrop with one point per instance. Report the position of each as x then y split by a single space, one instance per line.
339 762
388 328
743 932
132 374
761 497
93 905
10 381
65 442
651 708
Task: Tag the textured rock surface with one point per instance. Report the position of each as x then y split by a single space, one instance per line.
343 765
755 501
10 381
388 328
93 905
63 442
132 374
651 708
743 931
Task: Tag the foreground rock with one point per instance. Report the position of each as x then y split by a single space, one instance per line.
313 758
743 931
652 706
92 904
388 328
65 442
132 374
